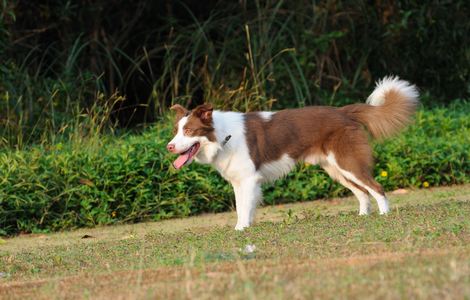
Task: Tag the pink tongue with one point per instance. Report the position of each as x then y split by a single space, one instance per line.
181 160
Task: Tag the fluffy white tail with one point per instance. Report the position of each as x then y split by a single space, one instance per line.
389 108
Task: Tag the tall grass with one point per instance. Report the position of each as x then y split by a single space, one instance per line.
241 55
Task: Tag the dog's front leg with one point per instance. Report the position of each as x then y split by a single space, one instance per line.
247 196
241 218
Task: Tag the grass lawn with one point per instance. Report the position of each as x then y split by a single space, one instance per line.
317 249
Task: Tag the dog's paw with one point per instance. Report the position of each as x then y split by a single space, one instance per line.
365 210
241 227
384 210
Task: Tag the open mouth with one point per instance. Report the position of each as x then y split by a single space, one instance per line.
186 157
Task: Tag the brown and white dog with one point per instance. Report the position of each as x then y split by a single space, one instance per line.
251 148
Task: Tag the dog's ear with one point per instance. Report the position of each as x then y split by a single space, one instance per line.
204 113
180 111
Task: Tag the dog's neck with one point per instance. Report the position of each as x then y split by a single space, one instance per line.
225 131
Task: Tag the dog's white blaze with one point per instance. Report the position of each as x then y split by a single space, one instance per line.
266 115
389 83
182 142
382 201
276 169
181 124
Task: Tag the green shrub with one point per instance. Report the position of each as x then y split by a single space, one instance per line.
108 180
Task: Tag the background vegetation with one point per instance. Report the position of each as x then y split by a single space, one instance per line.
62 58
85 86
130 179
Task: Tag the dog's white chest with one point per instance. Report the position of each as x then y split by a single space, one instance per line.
235 166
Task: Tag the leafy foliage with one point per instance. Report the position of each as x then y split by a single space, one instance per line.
104 180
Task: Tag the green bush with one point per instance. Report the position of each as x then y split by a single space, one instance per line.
106 180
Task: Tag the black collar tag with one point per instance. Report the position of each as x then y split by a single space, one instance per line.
227 138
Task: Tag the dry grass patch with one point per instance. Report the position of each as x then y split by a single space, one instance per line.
318 249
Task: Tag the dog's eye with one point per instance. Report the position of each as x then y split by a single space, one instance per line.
187 131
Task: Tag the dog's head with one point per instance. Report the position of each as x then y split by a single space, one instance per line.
194 131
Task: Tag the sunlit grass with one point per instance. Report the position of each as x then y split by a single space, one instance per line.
419 250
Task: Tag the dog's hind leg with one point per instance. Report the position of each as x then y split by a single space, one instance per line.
357 171
375 189
358 191
247 195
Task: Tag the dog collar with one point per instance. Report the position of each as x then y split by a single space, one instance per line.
227 138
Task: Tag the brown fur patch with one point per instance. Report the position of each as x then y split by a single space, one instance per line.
196 127
316 131
180 113
298 133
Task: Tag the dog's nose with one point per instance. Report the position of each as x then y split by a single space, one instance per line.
171 147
